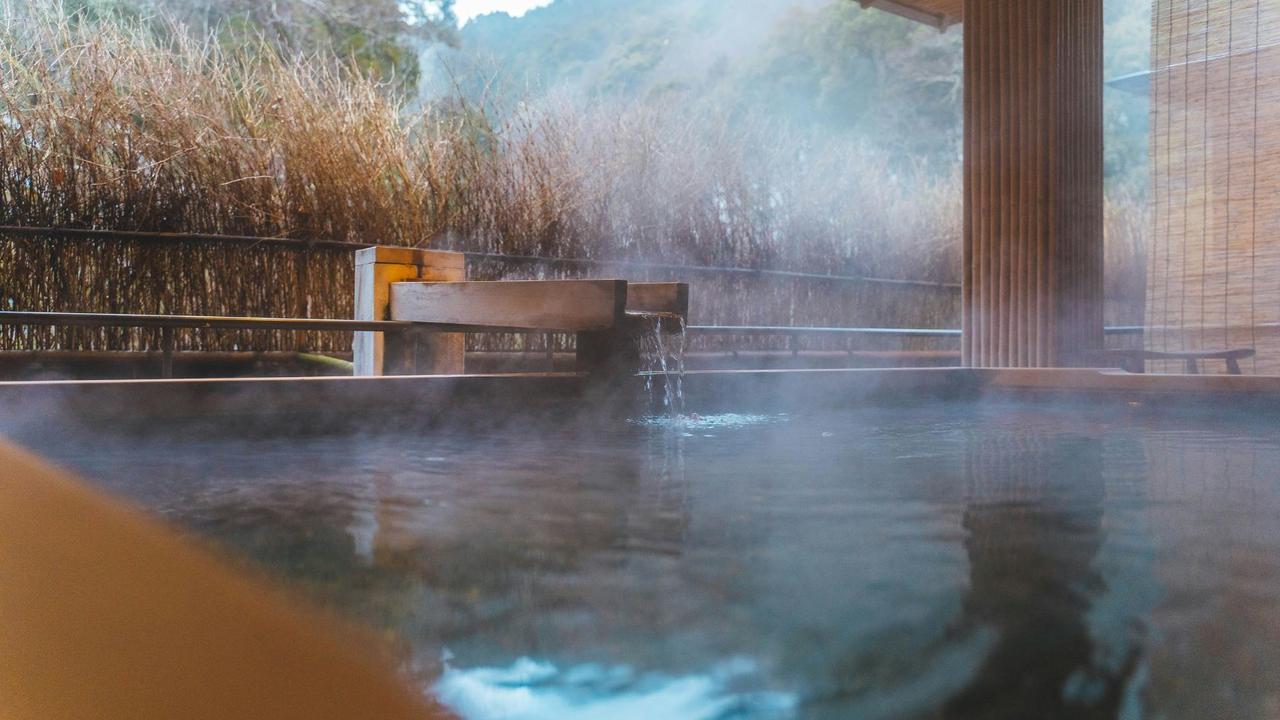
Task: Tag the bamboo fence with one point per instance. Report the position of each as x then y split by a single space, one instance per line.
1214 263
80 271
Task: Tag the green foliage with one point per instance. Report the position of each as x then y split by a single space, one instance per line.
847 69
806 63
380 38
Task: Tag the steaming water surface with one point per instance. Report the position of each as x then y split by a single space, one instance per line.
953 560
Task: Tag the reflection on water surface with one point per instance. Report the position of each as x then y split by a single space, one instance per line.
950 560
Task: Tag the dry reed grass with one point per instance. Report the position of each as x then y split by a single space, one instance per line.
111 126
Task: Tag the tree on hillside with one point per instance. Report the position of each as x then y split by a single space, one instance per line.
825 66
383 38
821 65
846 69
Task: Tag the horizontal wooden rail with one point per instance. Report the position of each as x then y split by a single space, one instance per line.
67 319
13 317
895 332
167 324
598 293
305 243
180 237
712 270
20 317
788 330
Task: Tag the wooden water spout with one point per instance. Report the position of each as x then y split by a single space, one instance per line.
658 297
515 305
424 288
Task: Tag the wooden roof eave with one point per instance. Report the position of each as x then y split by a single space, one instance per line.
940 14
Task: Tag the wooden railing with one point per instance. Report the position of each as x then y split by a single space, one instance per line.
168 323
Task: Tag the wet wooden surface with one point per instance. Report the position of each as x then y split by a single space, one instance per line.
107 614
550 305
658 297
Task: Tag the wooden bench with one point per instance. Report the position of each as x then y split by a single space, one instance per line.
1135 361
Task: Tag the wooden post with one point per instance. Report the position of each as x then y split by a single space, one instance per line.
611 353
166 352
376 269
1033 293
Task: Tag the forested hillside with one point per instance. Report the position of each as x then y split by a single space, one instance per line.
825 65
816 64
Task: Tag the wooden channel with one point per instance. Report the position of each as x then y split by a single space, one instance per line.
516 305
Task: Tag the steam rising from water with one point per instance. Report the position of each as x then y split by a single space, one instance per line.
532 690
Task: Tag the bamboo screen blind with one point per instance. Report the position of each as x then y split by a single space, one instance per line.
1214 254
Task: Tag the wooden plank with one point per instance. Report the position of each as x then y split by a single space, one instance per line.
657 297
543 305
106 613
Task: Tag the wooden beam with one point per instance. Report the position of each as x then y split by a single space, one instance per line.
105 613
939 20
523 305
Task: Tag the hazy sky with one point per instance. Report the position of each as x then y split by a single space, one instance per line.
467 9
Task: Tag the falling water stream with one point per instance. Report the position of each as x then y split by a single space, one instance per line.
662 345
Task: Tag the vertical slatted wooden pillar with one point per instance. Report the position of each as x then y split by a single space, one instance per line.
1033 182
